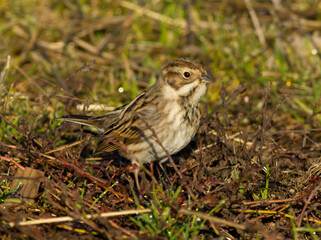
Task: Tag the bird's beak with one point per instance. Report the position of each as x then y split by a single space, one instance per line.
205 79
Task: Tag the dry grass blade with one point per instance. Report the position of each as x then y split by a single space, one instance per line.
255 21
66 146
4 71
68 219
162 18
212 219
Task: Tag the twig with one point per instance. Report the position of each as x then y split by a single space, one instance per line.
12 160
14 126
272 212
54 70
265 120
230 98
270 201
312 194
83 173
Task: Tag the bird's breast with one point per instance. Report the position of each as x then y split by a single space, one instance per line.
181 125
175 128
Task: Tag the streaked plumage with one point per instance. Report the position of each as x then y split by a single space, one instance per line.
171 107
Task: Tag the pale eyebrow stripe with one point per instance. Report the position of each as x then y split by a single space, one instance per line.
178 69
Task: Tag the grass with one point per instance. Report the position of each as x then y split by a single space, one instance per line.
251 172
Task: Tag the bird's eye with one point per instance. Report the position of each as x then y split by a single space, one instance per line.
187 74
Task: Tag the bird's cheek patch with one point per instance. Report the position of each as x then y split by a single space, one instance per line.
174 81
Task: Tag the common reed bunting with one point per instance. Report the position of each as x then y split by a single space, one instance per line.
169 110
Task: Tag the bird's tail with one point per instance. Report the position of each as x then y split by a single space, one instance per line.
84 120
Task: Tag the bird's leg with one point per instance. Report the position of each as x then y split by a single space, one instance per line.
135 169
151 168
161 166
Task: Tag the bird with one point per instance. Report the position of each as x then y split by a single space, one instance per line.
165 116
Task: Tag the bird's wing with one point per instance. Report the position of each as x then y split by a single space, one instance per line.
130 127
115 139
